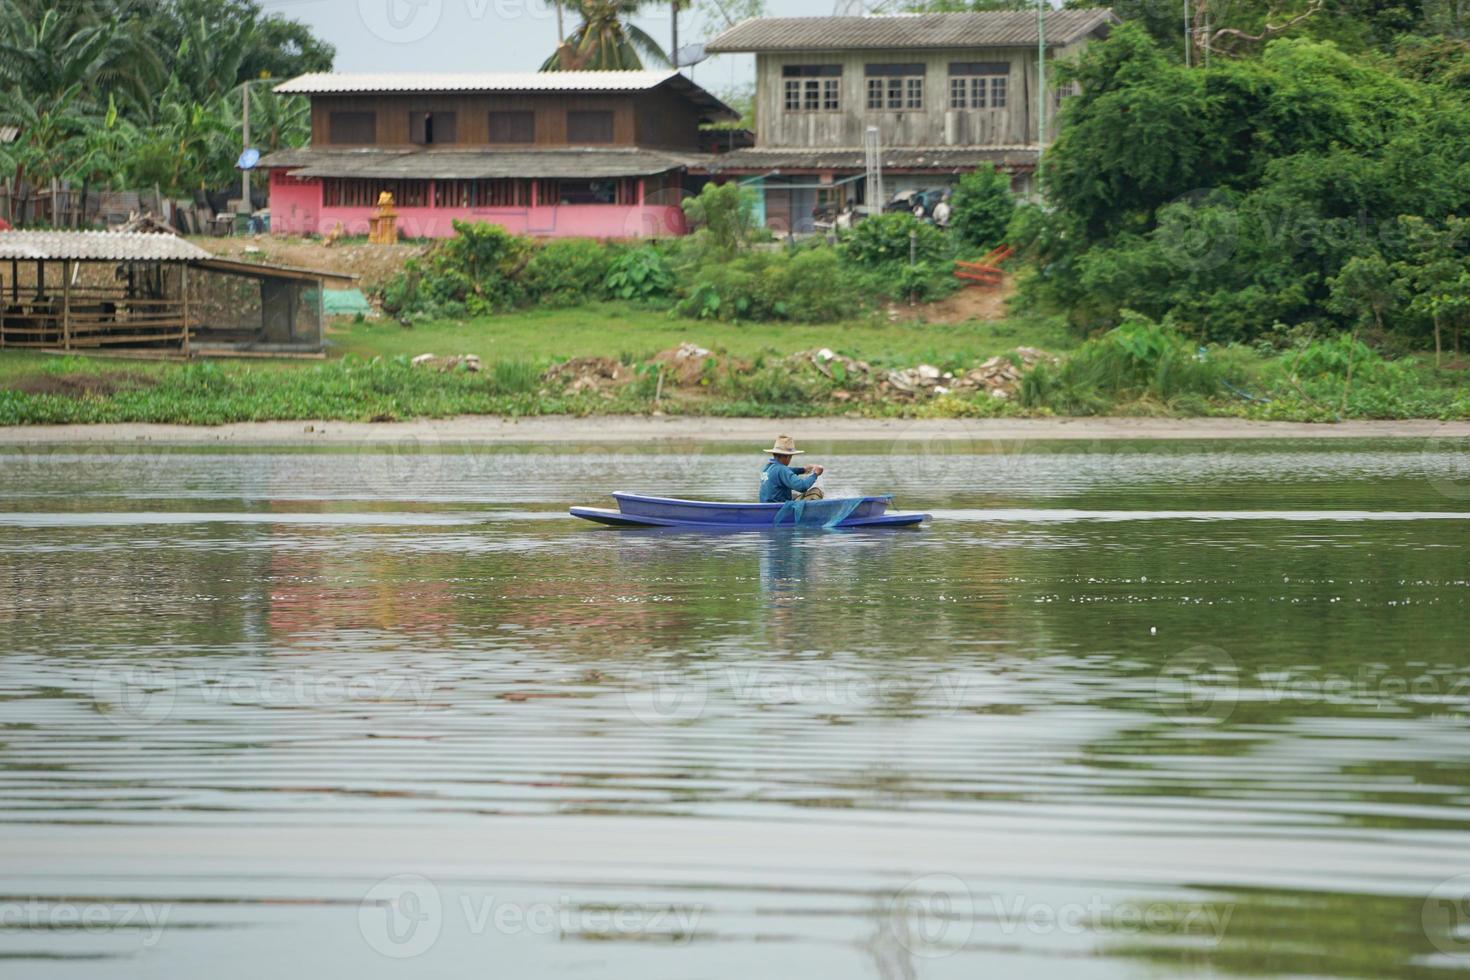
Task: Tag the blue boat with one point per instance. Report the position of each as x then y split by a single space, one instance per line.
635 510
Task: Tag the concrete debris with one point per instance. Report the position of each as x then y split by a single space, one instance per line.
588 374
684 366
470 362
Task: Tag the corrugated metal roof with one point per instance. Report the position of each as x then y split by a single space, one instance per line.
413 164
329 83
940 159
9 134
389 83
98 246
981 29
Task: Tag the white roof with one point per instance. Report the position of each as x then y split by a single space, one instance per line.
323 83
98 246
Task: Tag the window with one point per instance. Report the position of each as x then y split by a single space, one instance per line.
812 88
623 191
481 193
512 127
1066 91
589 127
429 128
978 84
895 87
360 192
353 128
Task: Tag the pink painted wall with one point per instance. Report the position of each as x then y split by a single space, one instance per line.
297 209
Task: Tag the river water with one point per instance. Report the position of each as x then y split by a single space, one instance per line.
1122 709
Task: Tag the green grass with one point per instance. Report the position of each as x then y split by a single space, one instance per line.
369 378
619 329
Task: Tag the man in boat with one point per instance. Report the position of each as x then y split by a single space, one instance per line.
781 482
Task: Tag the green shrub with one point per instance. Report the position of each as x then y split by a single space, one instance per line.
723 212
568 271
981 207
885 238
807 285
474 273
639 274
1138 359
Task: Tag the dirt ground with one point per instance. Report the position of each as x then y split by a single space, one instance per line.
374 263
970 304
79 385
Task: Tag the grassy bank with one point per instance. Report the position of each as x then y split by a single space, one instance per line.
748 372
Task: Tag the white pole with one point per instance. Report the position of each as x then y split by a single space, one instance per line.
1040 77
1188 41
245 174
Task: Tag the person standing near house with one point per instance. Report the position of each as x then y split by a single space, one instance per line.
781 482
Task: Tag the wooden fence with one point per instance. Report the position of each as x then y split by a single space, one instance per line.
81 318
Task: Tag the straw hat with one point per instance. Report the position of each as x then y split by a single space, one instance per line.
785 446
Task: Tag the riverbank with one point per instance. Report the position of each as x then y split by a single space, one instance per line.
567 430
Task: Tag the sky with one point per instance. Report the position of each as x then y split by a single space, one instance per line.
499 35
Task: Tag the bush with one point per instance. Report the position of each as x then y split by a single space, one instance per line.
725 212
885 238
808 285
639 274
1138 359
981 207
476 272
568 271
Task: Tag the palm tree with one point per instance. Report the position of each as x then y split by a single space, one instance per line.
604 41
47 55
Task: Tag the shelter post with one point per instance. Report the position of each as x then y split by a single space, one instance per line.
66 268
184 290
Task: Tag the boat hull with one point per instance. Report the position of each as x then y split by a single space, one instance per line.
637 510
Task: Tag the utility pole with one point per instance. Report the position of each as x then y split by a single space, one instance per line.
1040 81
674 49
1188 41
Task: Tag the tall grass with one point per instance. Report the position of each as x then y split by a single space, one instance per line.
1139 361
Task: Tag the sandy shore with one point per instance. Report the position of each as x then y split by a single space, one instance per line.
614 429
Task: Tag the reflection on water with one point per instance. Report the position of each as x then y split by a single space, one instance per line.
1122 709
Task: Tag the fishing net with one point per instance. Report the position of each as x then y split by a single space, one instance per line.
816 513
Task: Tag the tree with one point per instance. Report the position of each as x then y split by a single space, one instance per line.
1366 289
725 211
1437 275
604 41
982 206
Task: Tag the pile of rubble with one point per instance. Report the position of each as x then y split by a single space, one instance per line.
470 362
1000 376
588 374
684 366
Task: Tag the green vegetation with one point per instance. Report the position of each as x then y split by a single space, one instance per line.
145 92
982 207
1306 190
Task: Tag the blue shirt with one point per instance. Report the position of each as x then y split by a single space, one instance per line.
778 482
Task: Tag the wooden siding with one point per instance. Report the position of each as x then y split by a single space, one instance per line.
663 119
934 125
472 116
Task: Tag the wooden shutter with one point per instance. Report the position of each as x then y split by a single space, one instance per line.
589 127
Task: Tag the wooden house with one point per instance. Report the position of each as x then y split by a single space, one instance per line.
591 153
945 93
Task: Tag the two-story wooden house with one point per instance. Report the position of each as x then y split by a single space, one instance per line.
592 153
945 92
